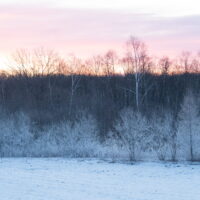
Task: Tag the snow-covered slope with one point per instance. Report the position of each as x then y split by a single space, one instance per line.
70 179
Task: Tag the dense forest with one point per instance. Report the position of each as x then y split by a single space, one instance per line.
132 108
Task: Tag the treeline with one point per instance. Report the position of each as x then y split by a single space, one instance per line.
55 107
38 105
48 99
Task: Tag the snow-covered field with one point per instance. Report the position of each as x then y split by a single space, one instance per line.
76 179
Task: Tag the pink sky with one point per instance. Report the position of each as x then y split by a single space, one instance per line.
87 31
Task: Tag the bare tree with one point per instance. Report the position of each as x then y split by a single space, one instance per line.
110 59
74 70
165 64
45 62
189 123
94 66
38 62
21 62
195 64
97 64
137 63
185 61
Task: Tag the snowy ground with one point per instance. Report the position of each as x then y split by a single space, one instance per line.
71 179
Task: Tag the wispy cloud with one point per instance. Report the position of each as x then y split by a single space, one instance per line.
89 31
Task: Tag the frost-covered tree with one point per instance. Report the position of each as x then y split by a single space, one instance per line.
189 127
163 139
82 138
15 136
133 130
66 139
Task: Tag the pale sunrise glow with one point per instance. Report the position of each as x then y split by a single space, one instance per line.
91 27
